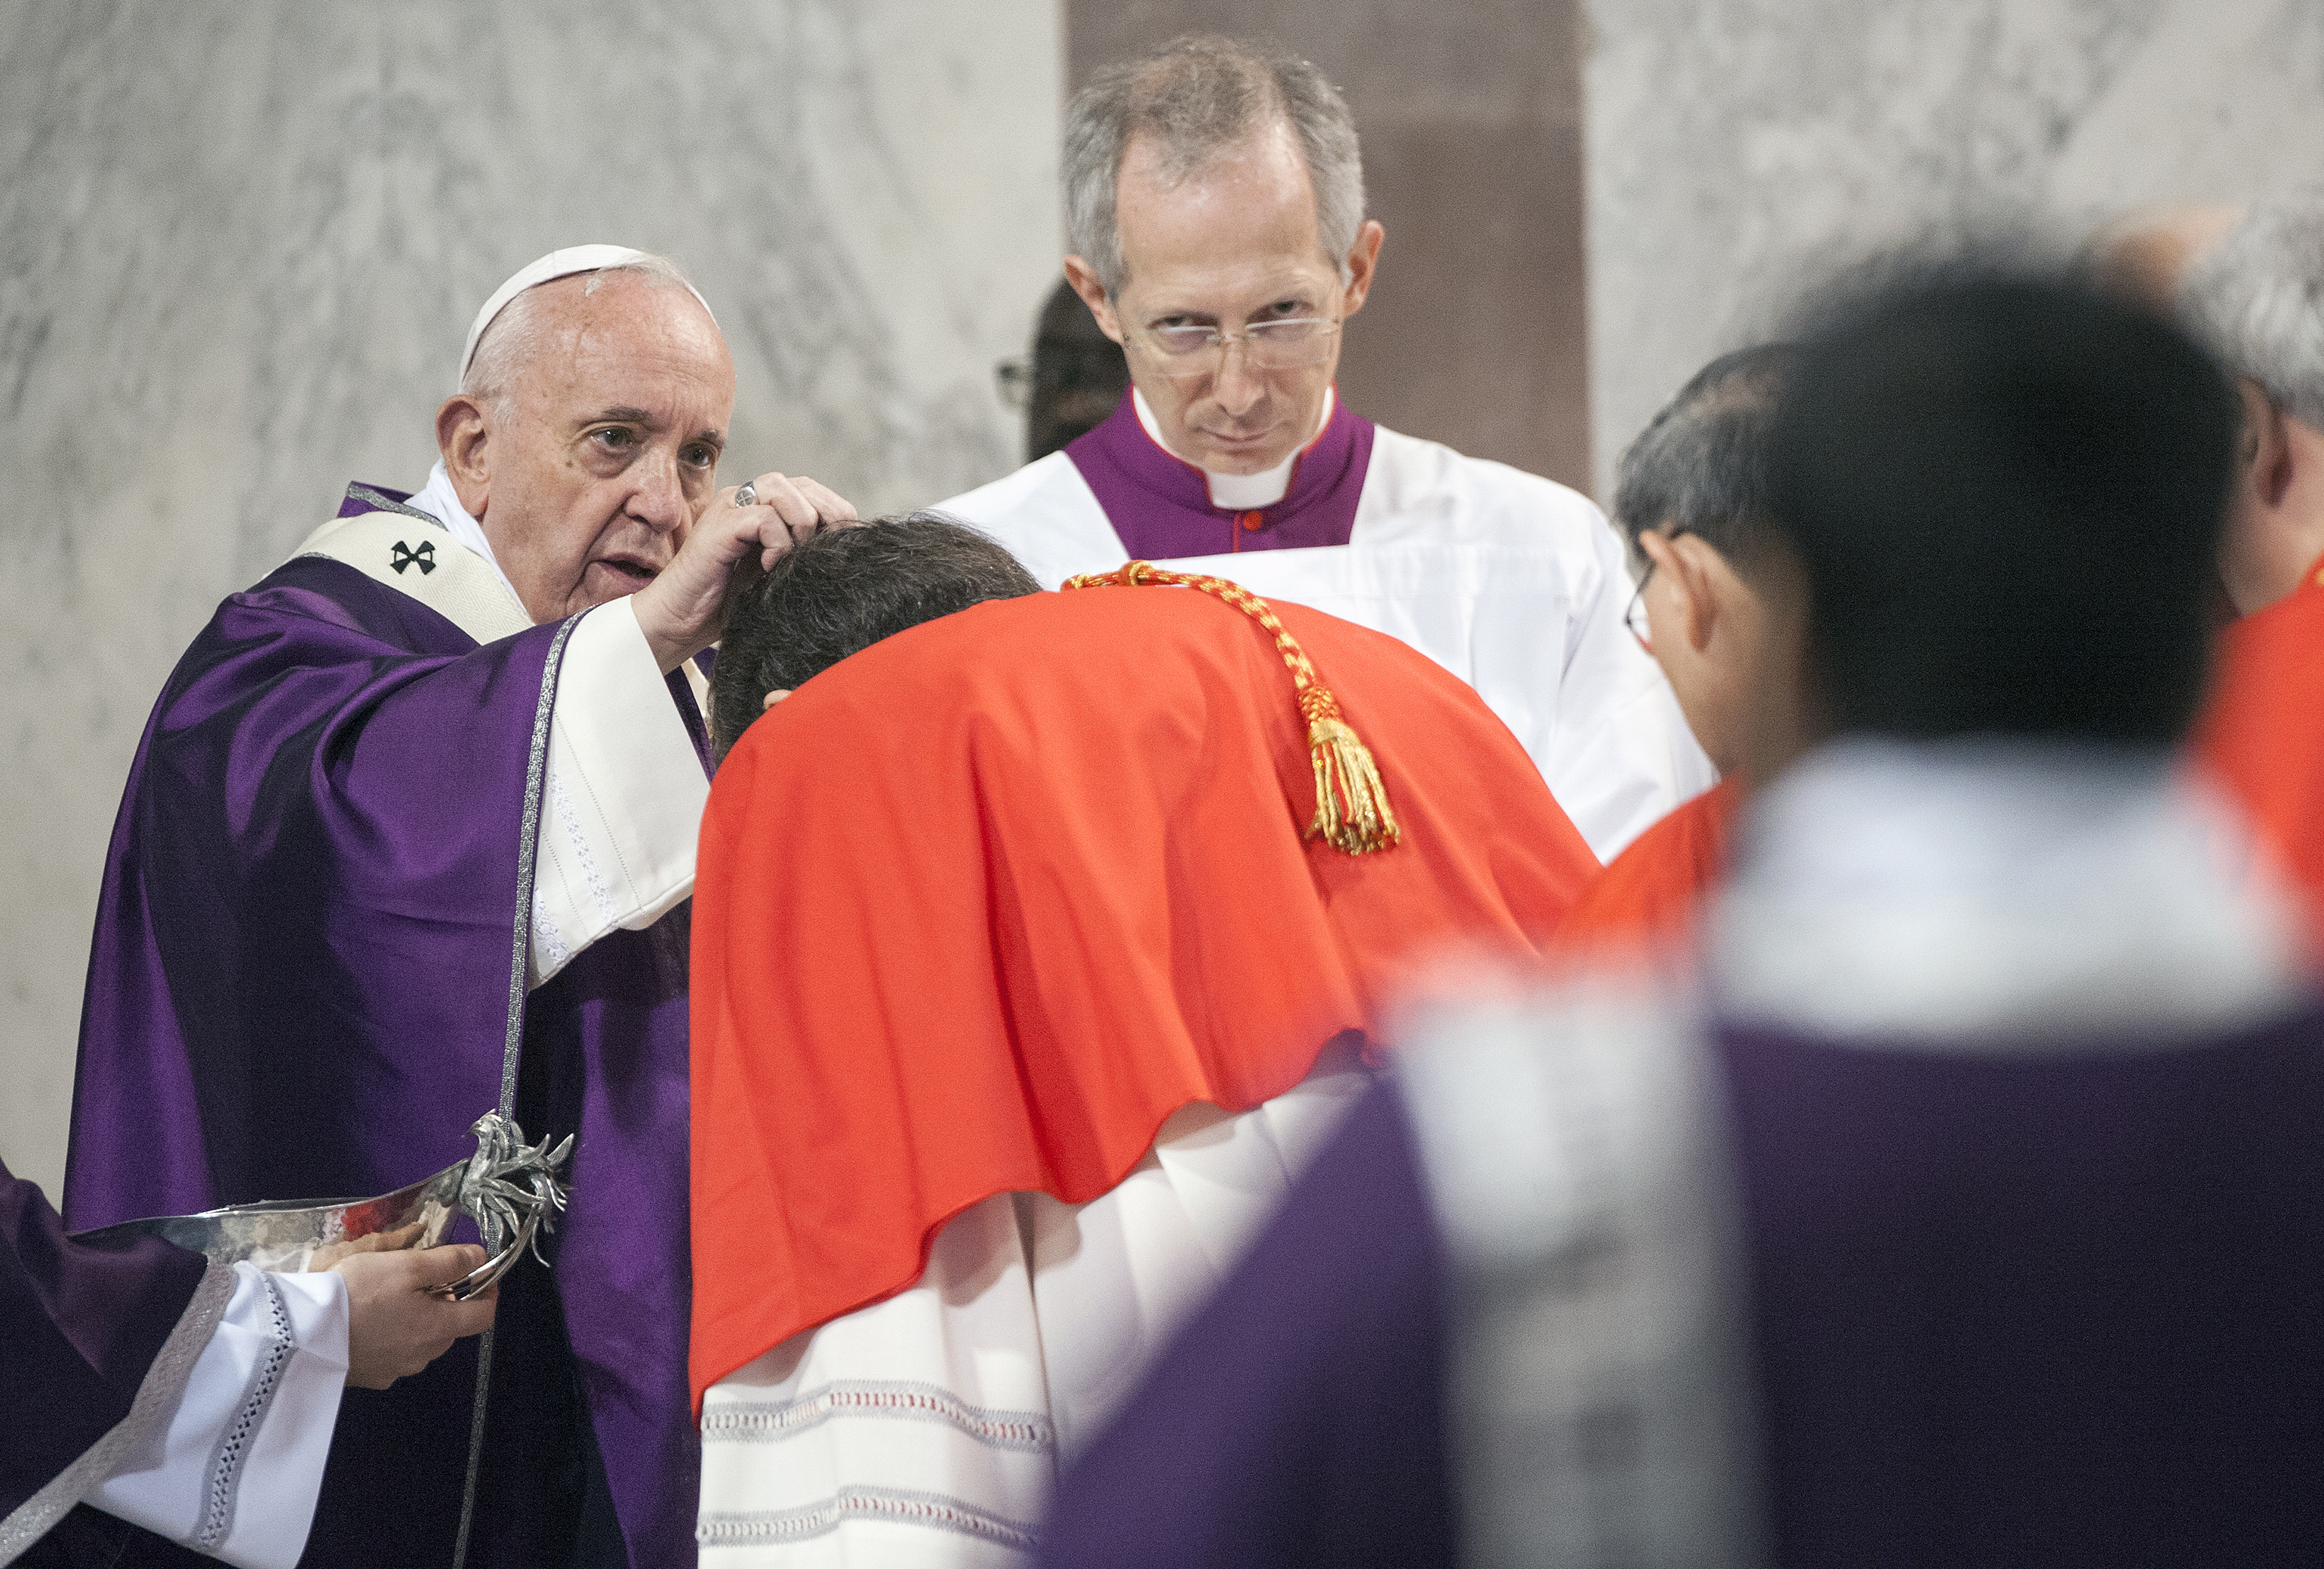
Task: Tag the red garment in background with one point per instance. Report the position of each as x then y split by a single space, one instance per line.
981 906
2263 733
1650 891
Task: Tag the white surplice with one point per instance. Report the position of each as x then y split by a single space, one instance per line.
925 1432
1514 583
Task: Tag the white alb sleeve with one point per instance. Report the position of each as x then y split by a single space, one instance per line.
237 1470
623 796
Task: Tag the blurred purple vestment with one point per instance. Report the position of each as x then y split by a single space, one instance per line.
298 989
2055 1306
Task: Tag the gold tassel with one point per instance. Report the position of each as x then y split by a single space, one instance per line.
1351 809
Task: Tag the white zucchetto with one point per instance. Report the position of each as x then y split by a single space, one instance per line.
558 264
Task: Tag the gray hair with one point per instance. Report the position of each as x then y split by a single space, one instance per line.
1200 98
2258 301
1700 464
515 335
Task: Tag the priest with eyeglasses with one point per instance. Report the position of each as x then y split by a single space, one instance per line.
1215 204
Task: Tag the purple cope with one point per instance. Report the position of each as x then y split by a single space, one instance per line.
298 989
1160 504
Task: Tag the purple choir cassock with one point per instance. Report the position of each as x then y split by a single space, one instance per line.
299 989
84 1327
1963 1260
1160 504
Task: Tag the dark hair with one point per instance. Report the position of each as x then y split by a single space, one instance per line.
1079 374
837 593
1700 463
2003 492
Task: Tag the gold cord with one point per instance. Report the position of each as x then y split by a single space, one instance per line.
1351 809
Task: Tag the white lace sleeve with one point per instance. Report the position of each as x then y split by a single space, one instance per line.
237 1473
623 796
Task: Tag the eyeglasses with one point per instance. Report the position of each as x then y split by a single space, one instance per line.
1634 617
1183 352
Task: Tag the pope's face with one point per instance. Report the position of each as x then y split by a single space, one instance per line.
590 474
1230 246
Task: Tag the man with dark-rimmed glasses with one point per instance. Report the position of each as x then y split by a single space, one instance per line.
1214 206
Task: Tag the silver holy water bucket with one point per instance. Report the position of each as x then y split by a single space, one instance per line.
508 1187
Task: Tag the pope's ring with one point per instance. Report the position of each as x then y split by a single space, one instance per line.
748 496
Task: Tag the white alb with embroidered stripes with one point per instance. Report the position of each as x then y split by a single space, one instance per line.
926 1432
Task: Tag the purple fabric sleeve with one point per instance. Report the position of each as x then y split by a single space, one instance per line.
82 1326
1298 1417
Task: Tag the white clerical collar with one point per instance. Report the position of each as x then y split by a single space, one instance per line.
439 501
1240 493
1998 889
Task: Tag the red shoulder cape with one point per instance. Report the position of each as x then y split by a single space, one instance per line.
981 906
2263 733
1651 891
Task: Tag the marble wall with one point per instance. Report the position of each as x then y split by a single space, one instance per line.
1740 149
241 241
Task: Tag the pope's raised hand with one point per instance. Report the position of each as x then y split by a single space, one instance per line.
681 610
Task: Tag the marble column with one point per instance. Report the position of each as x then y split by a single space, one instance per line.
240 243
1741 150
